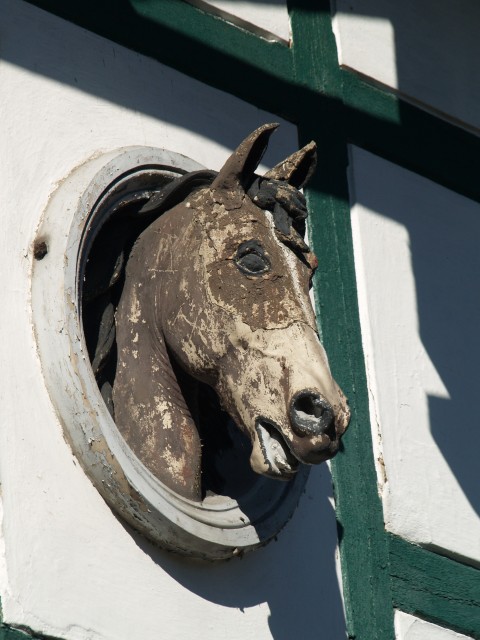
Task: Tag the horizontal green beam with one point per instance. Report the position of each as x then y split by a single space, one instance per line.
304 85
192 41
12 634
434 587
379 121
232 59
8 633
219 39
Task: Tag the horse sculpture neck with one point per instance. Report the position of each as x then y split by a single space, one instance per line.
152 415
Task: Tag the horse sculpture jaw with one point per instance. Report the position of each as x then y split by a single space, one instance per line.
273 455
275 459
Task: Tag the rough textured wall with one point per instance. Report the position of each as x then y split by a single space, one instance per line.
71 568
427 51
415 255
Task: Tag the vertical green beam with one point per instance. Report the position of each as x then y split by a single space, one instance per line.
363 543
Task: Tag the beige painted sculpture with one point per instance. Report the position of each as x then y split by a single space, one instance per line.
218 287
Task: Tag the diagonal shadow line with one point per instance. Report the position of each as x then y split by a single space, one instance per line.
402 132
323 116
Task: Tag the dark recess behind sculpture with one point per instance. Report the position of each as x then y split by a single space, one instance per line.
226 450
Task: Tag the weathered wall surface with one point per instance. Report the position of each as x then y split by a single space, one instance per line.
70 568
416 263
416 260
427 51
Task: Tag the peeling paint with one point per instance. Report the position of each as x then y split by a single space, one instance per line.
251 335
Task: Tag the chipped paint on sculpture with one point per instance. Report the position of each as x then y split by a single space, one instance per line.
219 284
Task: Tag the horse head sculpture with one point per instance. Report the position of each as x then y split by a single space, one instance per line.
218 286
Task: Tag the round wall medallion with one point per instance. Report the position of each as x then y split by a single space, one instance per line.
79 257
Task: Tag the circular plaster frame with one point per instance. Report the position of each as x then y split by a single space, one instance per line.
214 529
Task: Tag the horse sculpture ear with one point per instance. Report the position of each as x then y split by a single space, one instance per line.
239 169
298 168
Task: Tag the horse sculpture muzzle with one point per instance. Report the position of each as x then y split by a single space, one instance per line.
279 388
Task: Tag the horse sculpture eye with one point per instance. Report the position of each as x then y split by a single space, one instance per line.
251 258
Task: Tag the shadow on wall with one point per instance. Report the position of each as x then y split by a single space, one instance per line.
294 575
78 59
73 60
286 573
443 230
446 266
435 43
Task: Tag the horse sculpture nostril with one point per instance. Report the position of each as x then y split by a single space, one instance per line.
311 415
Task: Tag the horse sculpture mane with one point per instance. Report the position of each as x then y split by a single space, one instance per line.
217 286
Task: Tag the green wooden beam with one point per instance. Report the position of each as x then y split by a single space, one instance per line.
12 634
235 60
8 633
379 121
335 107
363 550
192 41
434 587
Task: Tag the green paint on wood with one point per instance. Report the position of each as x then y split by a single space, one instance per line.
235 60
380 122
434 587
305 85
363 548
7 633
192 41
12 634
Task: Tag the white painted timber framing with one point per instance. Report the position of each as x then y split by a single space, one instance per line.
70 568
408 627
417 265
427 50
267 17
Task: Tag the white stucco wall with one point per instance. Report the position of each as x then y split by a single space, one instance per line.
427 50
417 267
410 628
70 568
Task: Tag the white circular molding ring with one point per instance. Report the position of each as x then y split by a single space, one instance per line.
215 528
